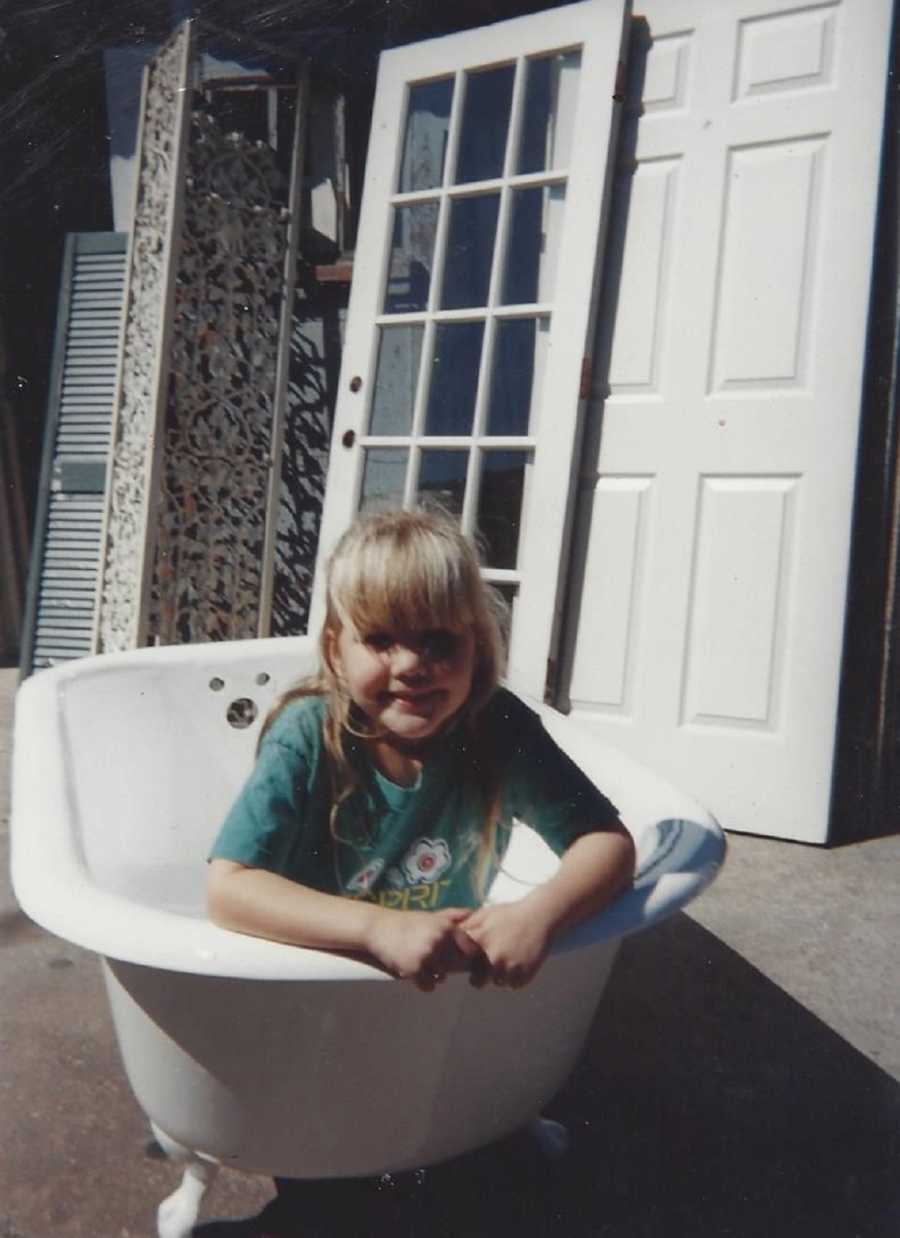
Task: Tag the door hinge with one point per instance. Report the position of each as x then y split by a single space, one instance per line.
621 82
550 682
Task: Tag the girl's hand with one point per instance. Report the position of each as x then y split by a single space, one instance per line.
417 945
514 938
512 941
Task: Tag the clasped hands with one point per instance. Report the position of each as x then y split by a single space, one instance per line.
501 945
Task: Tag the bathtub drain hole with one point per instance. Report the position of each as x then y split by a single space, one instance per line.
242 712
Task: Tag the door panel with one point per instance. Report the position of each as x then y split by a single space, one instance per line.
707 616
471 308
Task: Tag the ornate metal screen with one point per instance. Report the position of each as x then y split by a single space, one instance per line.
217 454
315 349
221 388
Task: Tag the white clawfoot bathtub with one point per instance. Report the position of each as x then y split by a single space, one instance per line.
263 1056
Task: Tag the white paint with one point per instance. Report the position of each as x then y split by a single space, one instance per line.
644 303
612 602
737 351
123 769
737 603
581 134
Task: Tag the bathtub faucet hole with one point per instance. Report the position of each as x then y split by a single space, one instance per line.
242 713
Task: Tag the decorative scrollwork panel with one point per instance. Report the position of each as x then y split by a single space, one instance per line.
143 346
314 360
214 478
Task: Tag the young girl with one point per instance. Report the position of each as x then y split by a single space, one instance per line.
384 793
385 789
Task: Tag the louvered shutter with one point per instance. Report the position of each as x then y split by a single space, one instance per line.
63 582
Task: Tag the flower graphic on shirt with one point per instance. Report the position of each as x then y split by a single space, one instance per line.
364 880
426 860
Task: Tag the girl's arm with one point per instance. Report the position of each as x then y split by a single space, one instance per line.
514 938
418 945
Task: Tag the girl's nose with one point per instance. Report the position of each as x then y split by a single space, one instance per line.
406 660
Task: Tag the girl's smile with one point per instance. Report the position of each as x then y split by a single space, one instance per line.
408 684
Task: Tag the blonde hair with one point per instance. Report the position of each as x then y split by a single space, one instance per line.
407 571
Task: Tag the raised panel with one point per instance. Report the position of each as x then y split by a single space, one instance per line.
609 619
667 73
788 51
635 363
762 330
737 600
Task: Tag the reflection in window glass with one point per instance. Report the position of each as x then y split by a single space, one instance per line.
517 375
412 253
536 221
442 479
454 378
384 475
500 505
551 90
482 143
425 141
399 350
470 248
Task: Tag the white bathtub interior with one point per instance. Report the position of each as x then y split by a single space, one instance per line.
155 764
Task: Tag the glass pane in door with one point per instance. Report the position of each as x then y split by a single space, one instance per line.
470 249
517 375
454 377
411 258
396 375
551 91
384 476
485 123
442 479
425 138
500 505
535 231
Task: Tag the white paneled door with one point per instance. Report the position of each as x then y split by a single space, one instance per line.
471 310
709 614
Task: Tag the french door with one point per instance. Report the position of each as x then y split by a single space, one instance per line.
482 216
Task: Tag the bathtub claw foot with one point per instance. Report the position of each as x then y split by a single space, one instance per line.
552 1138
177 1215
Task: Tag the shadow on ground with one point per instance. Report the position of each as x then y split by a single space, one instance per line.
708 1103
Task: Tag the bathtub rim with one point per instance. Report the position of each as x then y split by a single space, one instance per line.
54 888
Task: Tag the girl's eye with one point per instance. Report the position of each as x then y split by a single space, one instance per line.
440 643
379 641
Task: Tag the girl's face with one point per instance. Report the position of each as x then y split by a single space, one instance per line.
408 684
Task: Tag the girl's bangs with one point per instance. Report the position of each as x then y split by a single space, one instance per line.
402 589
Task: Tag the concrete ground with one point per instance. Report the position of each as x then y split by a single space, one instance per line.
742 1079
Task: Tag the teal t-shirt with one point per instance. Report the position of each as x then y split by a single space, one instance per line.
406 847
